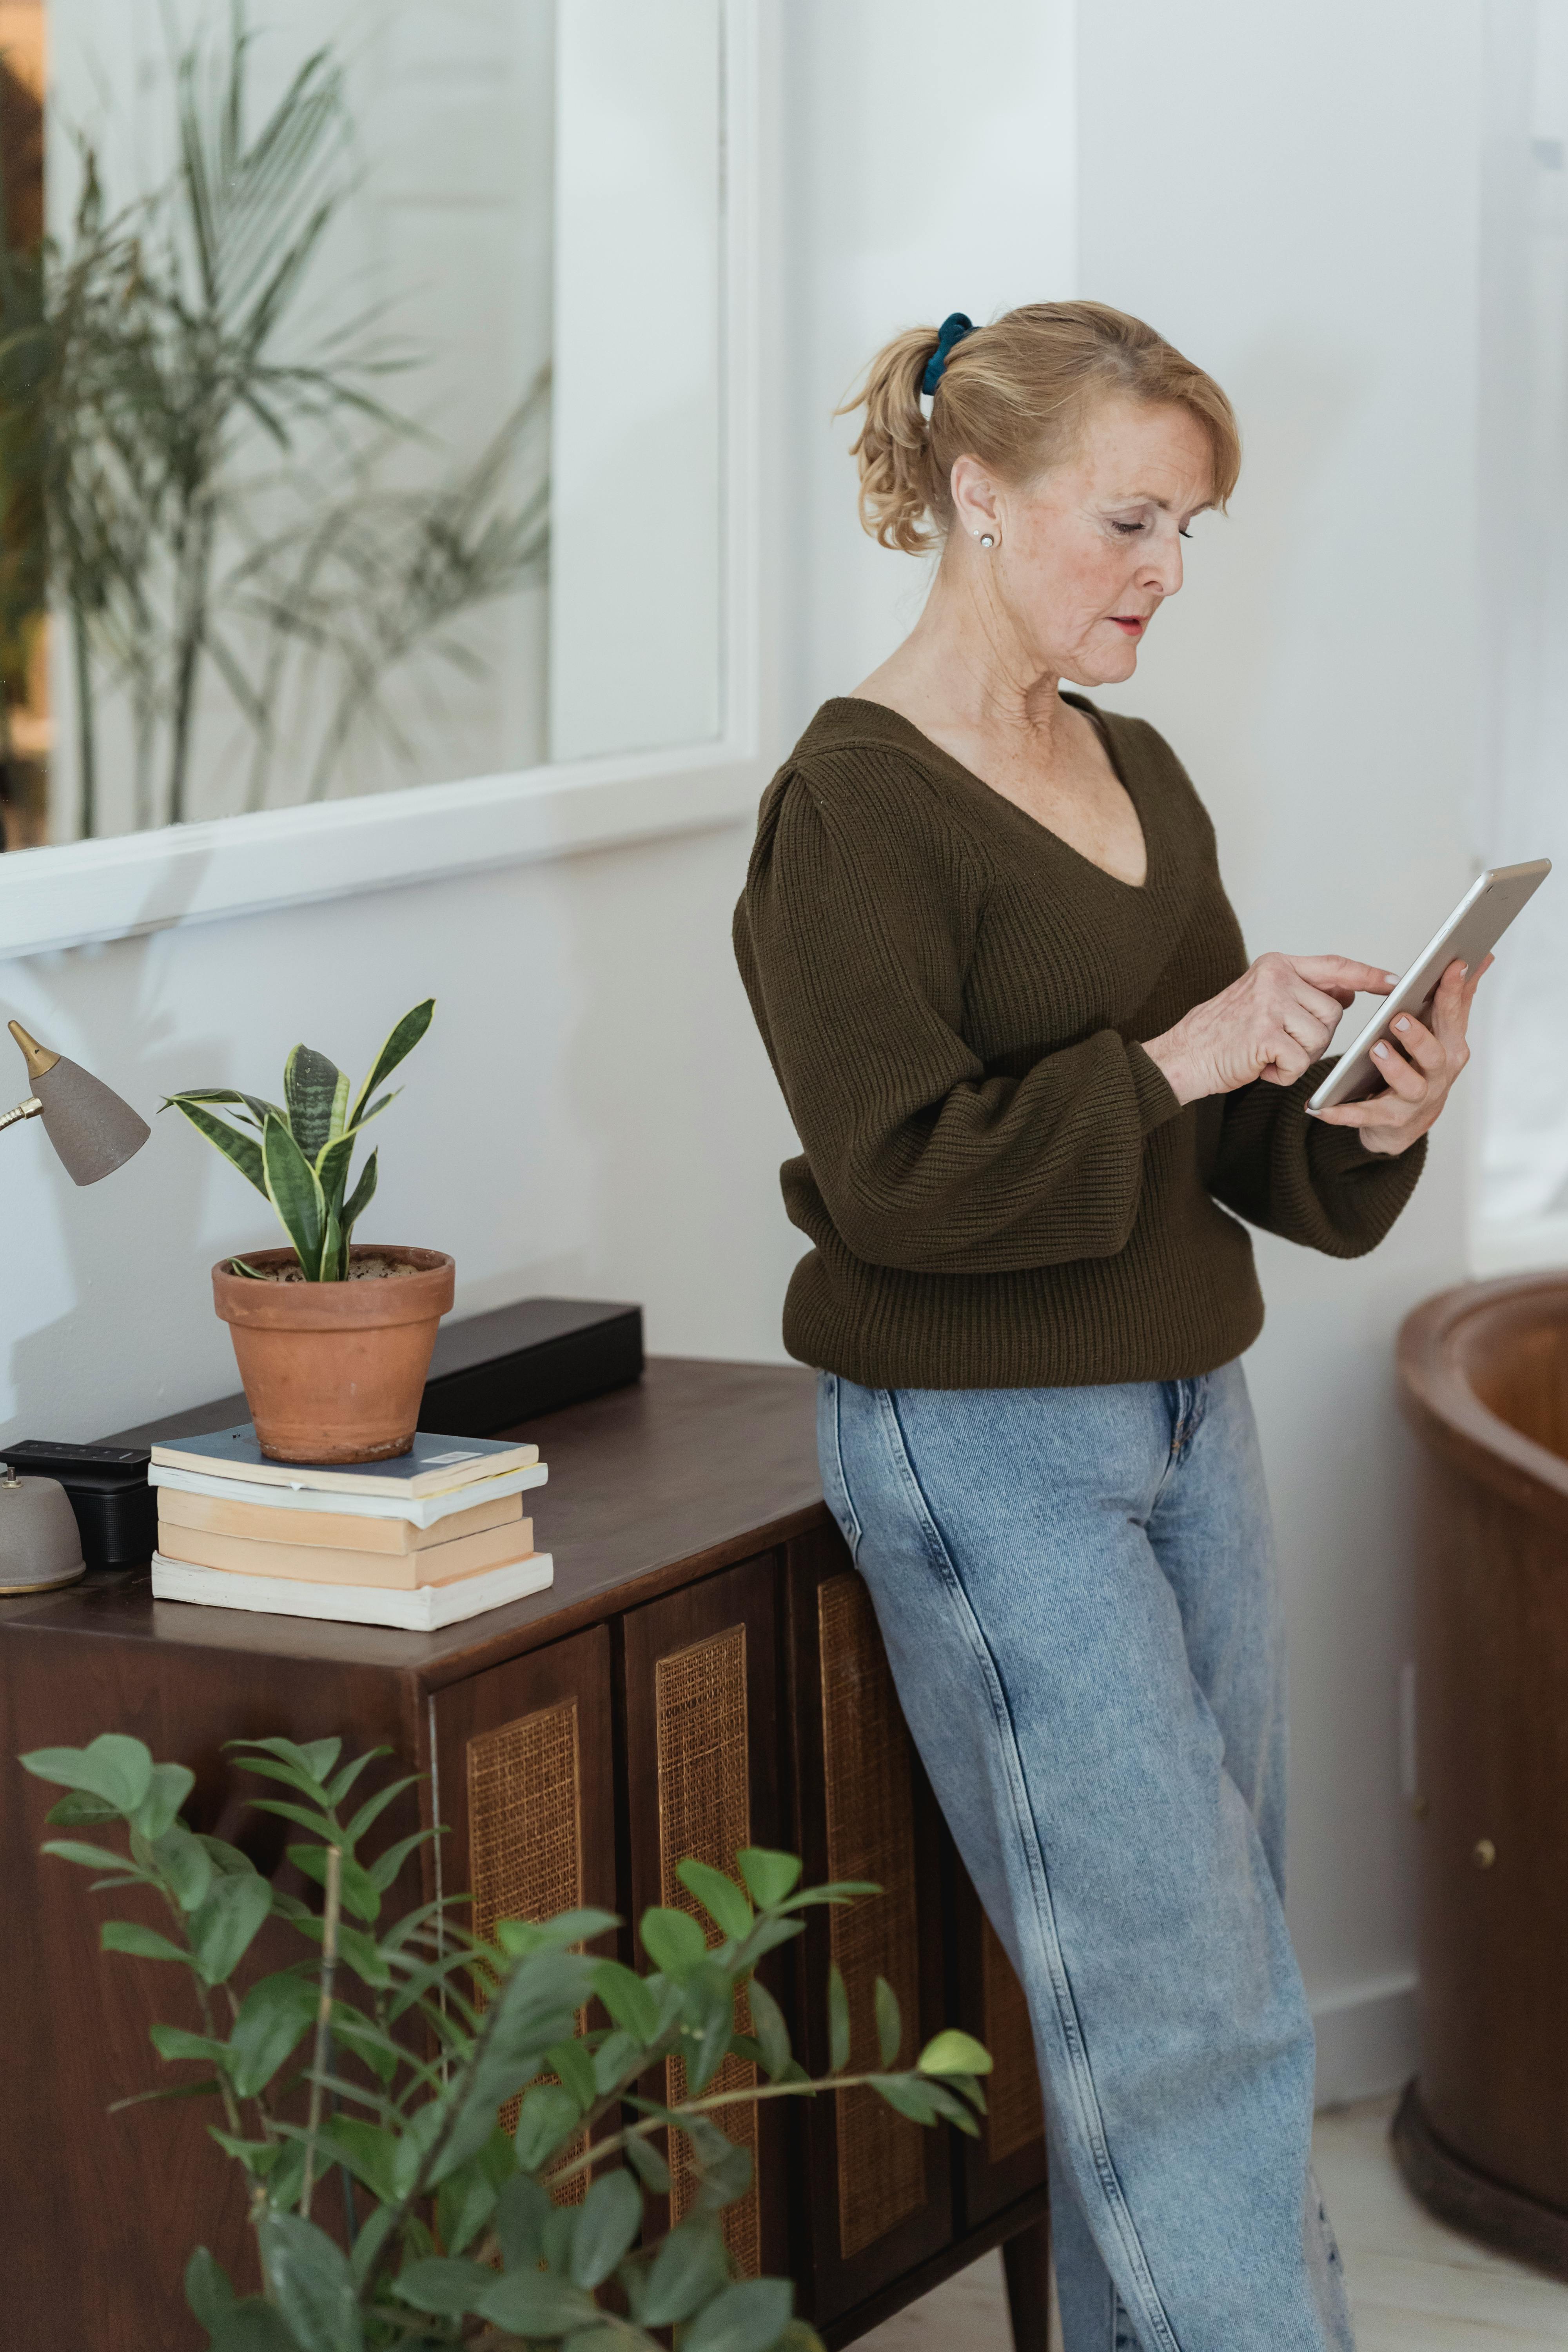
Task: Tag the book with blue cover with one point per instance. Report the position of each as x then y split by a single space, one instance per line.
434 1465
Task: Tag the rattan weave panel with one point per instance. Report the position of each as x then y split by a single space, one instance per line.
705 1811
1018 2115
525 1836
870 1834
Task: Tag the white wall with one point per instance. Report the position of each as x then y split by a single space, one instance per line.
1293 200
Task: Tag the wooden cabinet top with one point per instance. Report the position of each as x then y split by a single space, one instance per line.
695 1466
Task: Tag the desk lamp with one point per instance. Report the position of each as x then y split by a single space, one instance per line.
94 1133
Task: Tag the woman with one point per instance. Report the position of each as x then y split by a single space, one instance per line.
985 939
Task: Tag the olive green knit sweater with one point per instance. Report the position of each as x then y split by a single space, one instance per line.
1001 1190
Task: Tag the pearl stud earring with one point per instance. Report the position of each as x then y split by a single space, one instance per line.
986 538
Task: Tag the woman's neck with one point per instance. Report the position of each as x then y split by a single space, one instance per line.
963 673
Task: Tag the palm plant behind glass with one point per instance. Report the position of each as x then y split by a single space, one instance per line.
143 367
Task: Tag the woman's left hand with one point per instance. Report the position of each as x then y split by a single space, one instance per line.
1417 1087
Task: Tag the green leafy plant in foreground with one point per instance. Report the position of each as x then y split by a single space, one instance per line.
297 1152
460 2232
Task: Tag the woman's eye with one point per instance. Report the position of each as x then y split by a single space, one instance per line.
1126 528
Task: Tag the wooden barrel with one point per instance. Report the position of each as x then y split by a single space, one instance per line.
1482 2133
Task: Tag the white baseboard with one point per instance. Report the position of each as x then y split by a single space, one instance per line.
1366 2041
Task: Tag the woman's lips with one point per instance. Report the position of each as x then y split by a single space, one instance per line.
1130 624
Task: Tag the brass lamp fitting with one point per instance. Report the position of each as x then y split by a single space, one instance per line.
91 1129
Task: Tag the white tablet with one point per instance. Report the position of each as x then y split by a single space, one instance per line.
1471 932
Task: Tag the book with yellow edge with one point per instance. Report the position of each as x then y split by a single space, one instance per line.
433 1465
443 1563
226 1515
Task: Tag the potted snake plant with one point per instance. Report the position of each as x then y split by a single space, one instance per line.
332 1337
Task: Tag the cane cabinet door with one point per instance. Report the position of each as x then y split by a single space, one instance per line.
523 1775
1009 2157
879 2185
702 1732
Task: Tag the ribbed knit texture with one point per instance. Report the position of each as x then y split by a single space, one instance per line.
1001 1188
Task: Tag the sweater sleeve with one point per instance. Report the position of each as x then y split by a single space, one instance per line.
1309 1183
853 938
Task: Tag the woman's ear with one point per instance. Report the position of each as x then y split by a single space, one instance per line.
974 495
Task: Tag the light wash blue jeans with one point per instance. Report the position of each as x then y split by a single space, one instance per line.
1076 1591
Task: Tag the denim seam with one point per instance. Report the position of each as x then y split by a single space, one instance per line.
1110 2187
853 1514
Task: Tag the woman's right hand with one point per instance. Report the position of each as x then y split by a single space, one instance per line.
1273 1023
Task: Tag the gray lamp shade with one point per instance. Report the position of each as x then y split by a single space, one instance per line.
93 1131
40 1544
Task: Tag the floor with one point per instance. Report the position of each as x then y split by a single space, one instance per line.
1414 2286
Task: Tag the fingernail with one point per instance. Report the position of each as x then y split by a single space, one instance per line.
1401 1022
1382 1052
1391 978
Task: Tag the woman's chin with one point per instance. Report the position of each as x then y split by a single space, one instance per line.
1107 667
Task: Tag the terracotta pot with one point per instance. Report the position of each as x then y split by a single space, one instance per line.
335 1371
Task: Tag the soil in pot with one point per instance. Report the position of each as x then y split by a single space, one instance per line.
335 1371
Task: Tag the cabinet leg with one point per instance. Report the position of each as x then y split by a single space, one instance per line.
1026 2260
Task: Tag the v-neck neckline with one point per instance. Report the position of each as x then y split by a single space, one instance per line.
935 754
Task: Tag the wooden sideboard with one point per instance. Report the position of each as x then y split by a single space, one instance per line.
705 1673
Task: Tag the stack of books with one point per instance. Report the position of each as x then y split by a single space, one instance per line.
422 1541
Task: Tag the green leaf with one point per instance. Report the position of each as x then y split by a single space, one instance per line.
607 2227
312 2283
520 1936
724 2167
359 1893
359 1200
187 1864
117 1770
627 2000
142 1943
90 1857
450 2288
226 1859
79 1811
273 2018
225 1926
750 2317
252 2327
522 2209
171 1785
924 2100
953 2052
208 2290
334 1263
464 2204
386 1867
769 1877
534 2304
371 1812
173 2043
837 2023
772 2032
719 1896
889 2023
673 1941
574 2064
295 1191
307 1765
547 2119
689 2268
317 1094
708 2018
370 2153
650 2166
251 1273
242 1151
401 1041
342 1783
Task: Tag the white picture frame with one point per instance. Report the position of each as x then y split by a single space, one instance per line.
81 892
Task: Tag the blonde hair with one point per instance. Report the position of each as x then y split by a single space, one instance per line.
1013 394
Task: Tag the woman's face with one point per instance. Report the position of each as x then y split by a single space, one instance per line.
1086 553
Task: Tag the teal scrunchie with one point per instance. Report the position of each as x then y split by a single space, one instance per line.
952 329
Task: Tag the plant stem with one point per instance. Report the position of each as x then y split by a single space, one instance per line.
604 2147
196 567
323 2014
87 752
